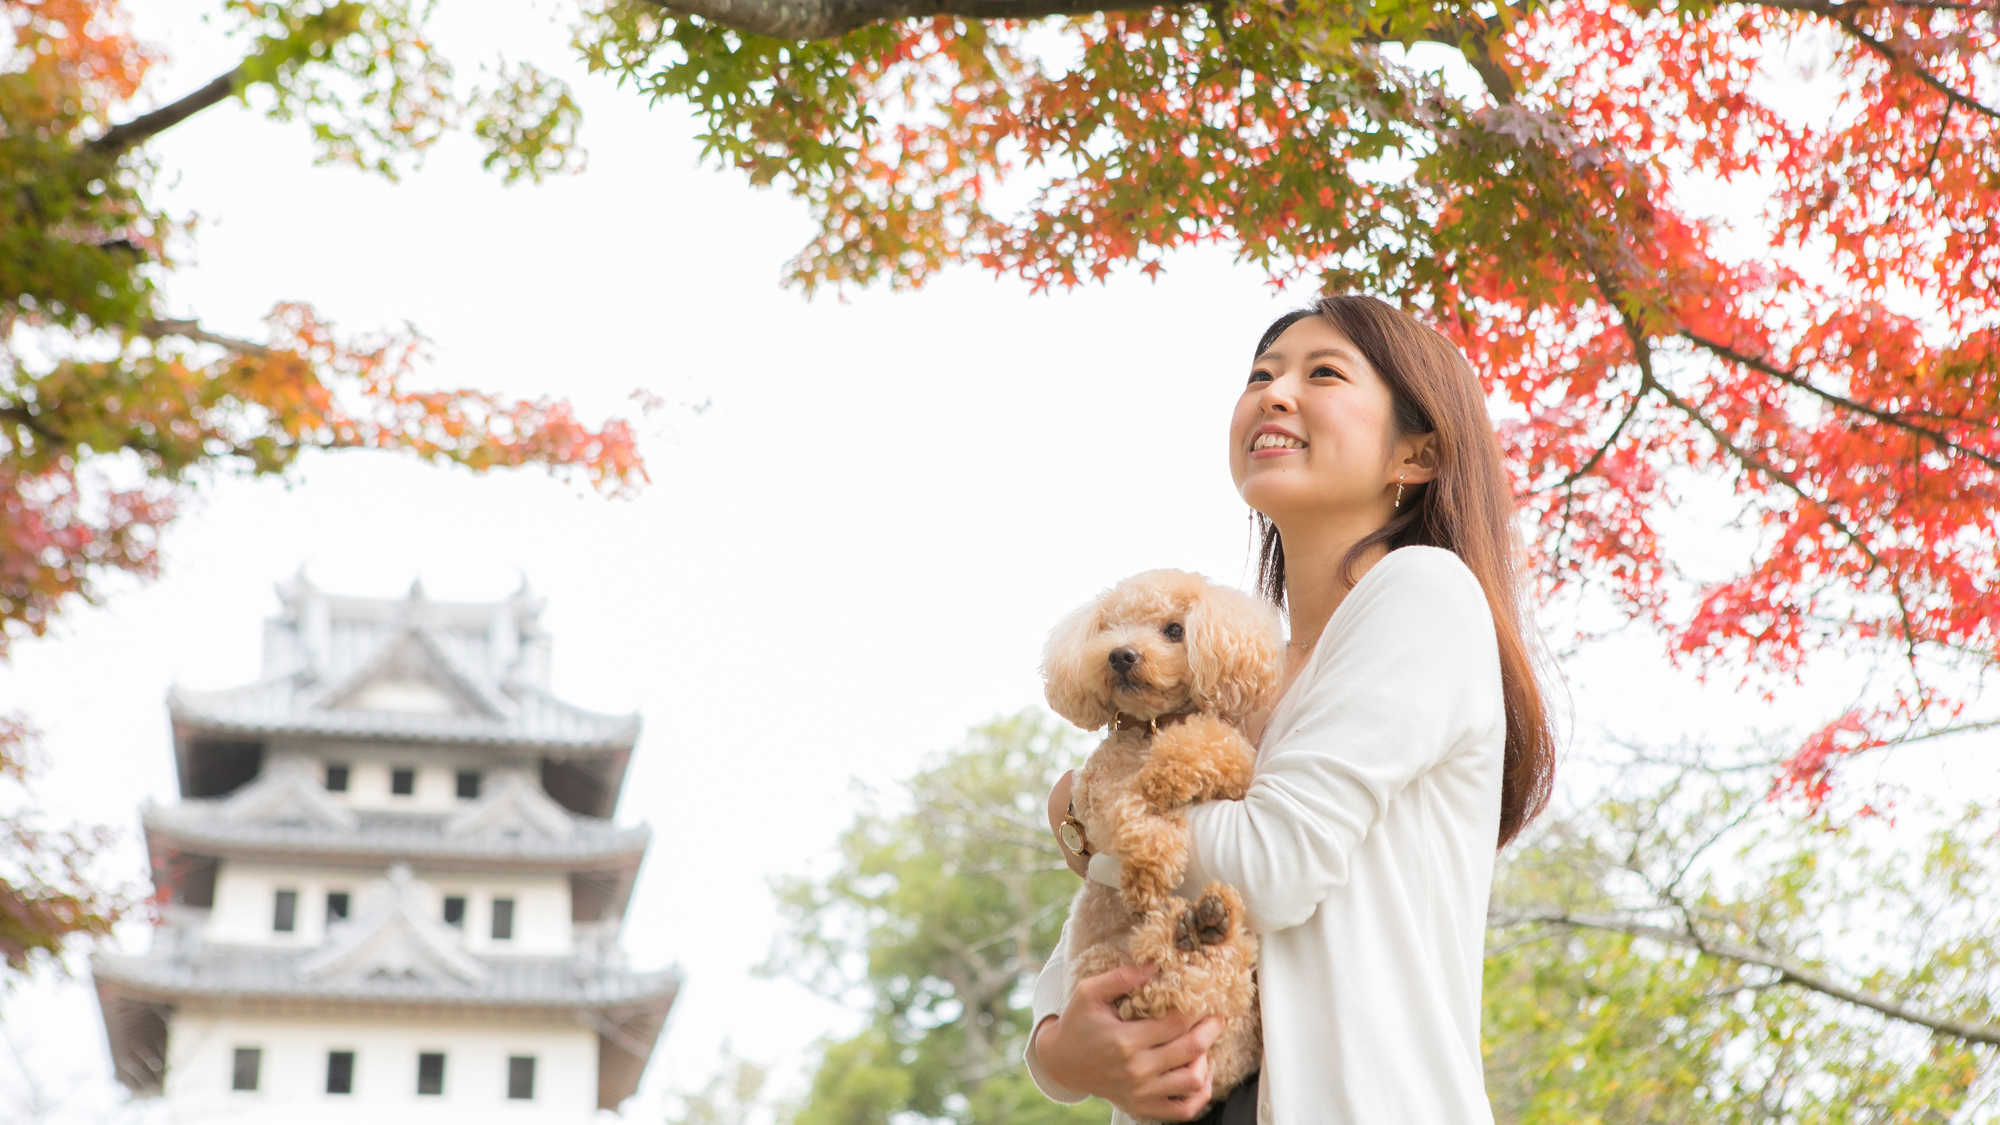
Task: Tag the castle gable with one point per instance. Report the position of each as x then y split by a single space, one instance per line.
414 675
512 806
394 938
288 795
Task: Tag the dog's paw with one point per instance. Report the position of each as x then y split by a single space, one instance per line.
1202 923
1210 917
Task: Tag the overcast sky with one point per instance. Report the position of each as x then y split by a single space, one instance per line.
847 559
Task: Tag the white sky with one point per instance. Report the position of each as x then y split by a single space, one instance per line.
849 558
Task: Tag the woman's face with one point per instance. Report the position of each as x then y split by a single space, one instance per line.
1312 436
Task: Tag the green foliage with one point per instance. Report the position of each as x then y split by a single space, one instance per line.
529 124
1639 970
940 914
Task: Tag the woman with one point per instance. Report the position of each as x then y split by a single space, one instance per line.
1411 739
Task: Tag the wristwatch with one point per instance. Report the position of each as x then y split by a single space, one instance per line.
1072 834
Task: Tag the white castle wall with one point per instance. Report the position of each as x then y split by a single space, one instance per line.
246 893
292 1078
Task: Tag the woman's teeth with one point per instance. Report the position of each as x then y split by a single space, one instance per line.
1276 441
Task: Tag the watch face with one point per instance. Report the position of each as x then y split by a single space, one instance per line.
1072 837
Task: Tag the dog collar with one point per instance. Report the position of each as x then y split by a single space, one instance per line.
1122 721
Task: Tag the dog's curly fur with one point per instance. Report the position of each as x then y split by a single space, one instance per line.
1119 654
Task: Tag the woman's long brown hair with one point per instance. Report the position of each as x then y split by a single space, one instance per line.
1467 508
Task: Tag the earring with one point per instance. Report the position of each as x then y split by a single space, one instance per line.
1399 491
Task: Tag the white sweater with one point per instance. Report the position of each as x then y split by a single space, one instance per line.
1364 853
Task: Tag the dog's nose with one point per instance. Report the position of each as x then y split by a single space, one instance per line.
1122 659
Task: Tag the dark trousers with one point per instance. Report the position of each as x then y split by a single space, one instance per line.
1239 1108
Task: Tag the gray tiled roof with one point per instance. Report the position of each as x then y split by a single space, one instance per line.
222 972
194 826
283 705
491 658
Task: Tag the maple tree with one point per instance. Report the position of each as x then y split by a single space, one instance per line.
1526 178
110 407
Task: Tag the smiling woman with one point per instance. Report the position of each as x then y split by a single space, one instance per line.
1411 739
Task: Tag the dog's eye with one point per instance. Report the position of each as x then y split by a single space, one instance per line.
1174 632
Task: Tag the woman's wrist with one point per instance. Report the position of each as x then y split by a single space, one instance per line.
1059 810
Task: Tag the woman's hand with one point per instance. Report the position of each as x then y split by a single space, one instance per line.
1058 809
1155 1069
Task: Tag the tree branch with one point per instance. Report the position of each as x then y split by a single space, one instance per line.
1788 970
144 128
829 19
192 330
1792 378
1844 15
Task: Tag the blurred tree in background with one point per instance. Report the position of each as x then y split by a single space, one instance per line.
1679 950
940 914
112 404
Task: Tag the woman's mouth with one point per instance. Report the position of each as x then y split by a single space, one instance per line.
1274 444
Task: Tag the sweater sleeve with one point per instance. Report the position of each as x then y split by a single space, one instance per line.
1404 678
1051 997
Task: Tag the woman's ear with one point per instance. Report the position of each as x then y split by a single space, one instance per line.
1072 681
1233 652
1416 458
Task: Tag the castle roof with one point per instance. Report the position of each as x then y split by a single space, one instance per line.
626 1008
405 669
392 955
401 670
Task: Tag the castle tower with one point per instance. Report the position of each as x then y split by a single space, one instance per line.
391 887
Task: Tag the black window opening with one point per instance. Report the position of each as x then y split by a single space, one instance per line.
340 1072
430 1072
336 905
468 784
249 1060
403 782
521 1077
336 779
454 910
285 915
503 919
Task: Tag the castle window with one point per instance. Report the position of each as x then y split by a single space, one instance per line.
468 784
454 910
340 1072
285 915
503 919
249 1060
403 782
336 906
336 779
430 1072
521 1077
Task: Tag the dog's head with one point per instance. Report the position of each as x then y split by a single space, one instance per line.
1162 642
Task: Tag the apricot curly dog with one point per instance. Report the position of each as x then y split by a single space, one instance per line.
1173 665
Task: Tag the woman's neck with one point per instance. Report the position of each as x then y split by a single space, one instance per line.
1315 584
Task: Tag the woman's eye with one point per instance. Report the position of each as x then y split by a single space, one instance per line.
1174 632
1326 373
1260 376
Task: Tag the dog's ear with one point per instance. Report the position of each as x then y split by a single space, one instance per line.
1234 652
1071 681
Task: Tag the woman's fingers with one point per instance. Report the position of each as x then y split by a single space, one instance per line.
1105 988
1177 1095
1188 1047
